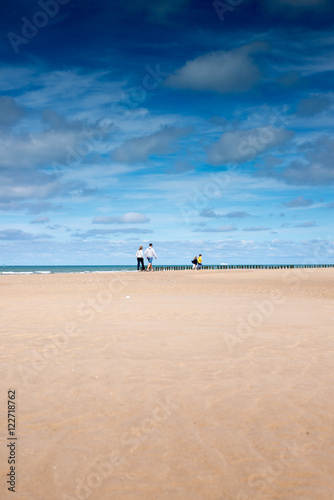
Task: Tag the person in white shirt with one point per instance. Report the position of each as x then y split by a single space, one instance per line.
149 254
140 259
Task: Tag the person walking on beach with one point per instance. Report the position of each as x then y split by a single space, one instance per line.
149 254
199 261
140 259
194 263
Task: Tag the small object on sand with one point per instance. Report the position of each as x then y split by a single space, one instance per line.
128 297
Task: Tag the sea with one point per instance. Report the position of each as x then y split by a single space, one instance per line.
7 270
64 269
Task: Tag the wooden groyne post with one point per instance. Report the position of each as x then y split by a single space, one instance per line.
244 266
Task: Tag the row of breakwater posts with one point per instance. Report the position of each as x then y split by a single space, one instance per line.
239 266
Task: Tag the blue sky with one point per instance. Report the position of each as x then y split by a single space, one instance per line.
203 127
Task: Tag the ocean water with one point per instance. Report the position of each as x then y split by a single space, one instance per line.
7 270
63 269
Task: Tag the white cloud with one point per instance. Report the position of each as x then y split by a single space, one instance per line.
139 149
42 149
19 184
220 229
128 218
10 111
102 233
238 146
180 167
317 168
211 214
123 251
313 105
23 189
300 201
17 234
237 214
257 228
15 78
40 220
309 223
222 71
71 91
31 207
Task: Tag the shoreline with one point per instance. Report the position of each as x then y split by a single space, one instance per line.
43 270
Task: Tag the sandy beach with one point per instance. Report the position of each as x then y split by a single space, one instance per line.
213 385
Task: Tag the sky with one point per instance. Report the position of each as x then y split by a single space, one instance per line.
200 126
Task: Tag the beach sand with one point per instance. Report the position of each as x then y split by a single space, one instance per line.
179 385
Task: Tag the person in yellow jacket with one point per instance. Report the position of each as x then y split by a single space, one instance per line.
199 261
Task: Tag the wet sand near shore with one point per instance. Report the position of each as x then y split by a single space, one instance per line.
178 385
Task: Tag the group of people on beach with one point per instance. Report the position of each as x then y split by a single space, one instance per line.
149 254
197 262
